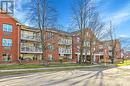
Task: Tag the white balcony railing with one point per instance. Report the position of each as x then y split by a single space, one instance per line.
32 38
65 42
30 50
65 51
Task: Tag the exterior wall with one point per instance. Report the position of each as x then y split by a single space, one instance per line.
51 43
14 49
61 44
126 55
118 50
65 47
75 47
88 36
117 45
107 45
30 47
98 47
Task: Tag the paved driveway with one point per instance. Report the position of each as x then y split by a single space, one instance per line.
83 77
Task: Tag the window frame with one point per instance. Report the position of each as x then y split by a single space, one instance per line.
7 43
7 28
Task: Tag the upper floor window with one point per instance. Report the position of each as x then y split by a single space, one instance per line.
50 47
6 42
50 35
78 39
7 28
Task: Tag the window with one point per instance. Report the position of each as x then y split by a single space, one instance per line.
50 57
7 42
50 47
6 57
50 35
78 39
87 34
7 28
78 48
60 50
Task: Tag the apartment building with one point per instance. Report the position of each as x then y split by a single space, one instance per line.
117 48
9 38
101 50
17 40
88 37
59 45
104 50
30 43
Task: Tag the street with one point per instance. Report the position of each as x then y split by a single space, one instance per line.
79 77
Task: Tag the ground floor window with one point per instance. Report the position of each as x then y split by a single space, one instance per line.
50 58
31 56
6 58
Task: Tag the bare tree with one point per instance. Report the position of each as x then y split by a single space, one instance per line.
113 42
44 16
99 33
125 41
85 16
81 16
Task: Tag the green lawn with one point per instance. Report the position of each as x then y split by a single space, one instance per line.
26 66
49 70
126 63
19 66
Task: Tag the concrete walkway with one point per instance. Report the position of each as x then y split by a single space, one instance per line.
125 67
96 76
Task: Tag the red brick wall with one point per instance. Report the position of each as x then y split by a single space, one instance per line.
53 41
74 47
14 36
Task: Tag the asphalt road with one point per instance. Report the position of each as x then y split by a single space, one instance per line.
83 77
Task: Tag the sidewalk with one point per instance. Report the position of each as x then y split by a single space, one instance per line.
49 68
125 67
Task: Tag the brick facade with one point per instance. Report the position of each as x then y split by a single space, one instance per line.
9 52
59 45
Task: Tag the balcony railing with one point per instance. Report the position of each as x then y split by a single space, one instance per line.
32 38
31 50
65 42
65 51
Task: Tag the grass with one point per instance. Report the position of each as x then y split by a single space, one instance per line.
34 71
68 64
19 66
126 63
28 66
49 70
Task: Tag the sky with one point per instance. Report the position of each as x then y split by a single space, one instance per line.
117 11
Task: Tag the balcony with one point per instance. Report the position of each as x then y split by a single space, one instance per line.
65 51
65 42
110 48
30 50
30 38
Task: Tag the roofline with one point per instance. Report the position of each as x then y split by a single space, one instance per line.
10 16
48 29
